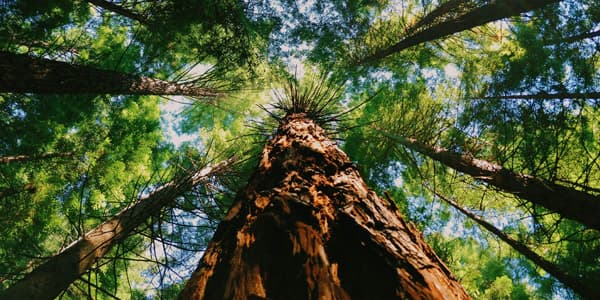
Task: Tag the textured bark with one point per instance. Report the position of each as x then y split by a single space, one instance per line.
22 158
545 96
307 227
443 10
25 74
119 10
58 272
576 284
568 202
493 11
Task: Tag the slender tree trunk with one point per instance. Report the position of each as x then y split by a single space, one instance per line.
568 202
545 96
493 11
119 10
22 158
575 283
579 37
57 273
307 227
25 74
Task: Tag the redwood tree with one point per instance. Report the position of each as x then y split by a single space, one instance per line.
49 279
306 226
566 201
21 73
22 158
545 96
118 9
582 287
435 26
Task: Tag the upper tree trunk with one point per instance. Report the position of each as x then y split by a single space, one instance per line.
58 272
568 202
25 74
493 11
119 10
579 37
545 96
444 9
307 227
578 285
22 158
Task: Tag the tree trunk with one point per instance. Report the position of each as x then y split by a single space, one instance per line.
568 202
576 284
22 158
57 273
579 37
25 74
493 11
307 227
119 10
436 15
545 96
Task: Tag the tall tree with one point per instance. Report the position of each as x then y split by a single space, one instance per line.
25 74
546 96
582 36
117 146
118 9
568 202
488 12
306 226
120 147
583 288
48 280
21 158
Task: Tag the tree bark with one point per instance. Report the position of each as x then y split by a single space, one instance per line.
22 158
493 11
444 9
573 282
307 227
568 202
119 10
545 96
25 74
57 273
579 37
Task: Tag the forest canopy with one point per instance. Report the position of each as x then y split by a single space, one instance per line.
479 120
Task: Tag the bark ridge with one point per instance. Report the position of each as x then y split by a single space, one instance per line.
307 227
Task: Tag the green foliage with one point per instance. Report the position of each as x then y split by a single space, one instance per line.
443 93
29 23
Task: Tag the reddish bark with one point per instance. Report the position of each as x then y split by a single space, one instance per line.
568 202
58 272
307 227
493 11
575 283
25 74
